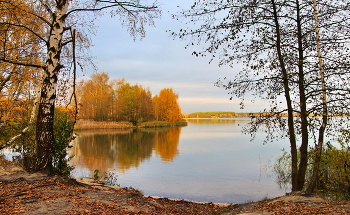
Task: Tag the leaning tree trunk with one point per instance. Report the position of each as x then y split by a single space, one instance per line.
45 119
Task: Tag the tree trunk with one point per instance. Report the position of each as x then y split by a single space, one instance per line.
302 103
45 119
291 130
322 128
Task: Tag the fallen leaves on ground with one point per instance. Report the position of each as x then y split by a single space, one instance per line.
55 195
283 207
62 196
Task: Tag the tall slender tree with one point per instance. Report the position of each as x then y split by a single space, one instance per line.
322 127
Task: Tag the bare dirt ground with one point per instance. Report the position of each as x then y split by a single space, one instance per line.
24 193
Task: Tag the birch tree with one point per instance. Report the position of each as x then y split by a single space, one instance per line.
324 104
64 23
278 43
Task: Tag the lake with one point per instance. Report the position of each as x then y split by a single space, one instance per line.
209 160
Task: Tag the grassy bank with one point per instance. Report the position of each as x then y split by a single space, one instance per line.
86 124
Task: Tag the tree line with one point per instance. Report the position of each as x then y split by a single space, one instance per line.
102 99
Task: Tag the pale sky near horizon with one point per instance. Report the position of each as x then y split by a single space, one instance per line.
159 61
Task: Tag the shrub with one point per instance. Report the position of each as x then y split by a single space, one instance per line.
63 129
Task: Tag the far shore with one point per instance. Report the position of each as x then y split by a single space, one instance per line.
89 124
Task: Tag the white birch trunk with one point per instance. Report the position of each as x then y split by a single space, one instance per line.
322 128
45 120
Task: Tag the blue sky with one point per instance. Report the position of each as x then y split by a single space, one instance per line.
159 61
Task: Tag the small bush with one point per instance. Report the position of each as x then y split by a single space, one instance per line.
63 129
96 175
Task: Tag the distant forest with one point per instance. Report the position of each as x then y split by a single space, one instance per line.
219 114
102 99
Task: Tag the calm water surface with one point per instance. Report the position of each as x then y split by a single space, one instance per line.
207 161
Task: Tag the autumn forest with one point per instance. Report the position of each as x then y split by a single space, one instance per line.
102 99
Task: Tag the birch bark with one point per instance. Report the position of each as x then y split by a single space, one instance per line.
322 128
45 118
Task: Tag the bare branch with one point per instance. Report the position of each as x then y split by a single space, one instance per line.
74 95
67 42
21 63
123 5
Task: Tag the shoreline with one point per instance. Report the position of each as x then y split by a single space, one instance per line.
92 182
24 193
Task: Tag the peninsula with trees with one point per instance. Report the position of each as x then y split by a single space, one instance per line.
101 99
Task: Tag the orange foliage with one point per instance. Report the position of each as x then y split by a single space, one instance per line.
96 98
166 143
102 99
166 107
18 82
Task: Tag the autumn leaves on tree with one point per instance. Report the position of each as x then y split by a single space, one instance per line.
42 44
102 99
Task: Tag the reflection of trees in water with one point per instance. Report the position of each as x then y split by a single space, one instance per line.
133 148
123 150
166 143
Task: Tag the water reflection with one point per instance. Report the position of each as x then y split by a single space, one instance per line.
122 150
210 161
